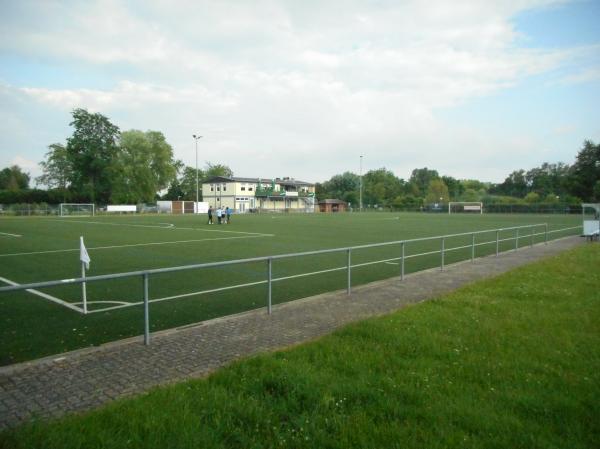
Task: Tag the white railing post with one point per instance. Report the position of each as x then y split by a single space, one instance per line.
473 248
443 244
402 264
146 311
270 281
517 240
349 284
497 241
546 234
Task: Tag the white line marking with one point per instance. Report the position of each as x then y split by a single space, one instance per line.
104 302
166 227
11 235
45 296
392 263
132 245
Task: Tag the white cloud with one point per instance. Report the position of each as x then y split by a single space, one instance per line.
296 86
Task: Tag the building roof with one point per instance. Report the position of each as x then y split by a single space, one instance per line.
280 181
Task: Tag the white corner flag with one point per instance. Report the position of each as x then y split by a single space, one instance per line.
85 264
83 254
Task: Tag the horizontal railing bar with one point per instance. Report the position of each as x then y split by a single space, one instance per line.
295 276
257 259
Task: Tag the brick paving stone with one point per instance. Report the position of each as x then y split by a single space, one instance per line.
92 377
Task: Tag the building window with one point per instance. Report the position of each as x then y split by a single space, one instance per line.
212 188
218 188
224 187
243 187
250 188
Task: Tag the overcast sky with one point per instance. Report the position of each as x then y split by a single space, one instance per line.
473 89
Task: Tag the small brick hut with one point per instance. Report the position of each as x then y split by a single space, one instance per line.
333 206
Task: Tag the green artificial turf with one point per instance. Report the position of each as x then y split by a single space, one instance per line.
48 249
511 362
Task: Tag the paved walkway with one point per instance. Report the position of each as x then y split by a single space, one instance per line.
86 379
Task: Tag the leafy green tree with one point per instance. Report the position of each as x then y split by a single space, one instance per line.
514 185
143 166
532 198
344 187
456 188
585 173
217 170
91 150
420 178
13 178
437 192
470 195
184 186
57 169
381 187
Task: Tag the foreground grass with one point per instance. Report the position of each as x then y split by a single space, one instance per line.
509 362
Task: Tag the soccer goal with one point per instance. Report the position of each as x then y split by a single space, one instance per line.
472 207
76 210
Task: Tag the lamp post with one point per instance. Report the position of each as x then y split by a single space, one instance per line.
360 188
196 139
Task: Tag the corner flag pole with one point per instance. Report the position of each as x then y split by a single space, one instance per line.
85 263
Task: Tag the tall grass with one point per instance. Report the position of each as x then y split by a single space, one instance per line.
512 362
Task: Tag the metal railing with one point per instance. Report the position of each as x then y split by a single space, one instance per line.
443 251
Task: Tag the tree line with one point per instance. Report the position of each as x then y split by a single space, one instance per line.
548 184
99 163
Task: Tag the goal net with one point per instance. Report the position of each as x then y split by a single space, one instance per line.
76 209
471 207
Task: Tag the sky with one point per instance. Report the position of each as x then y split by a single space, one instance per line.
474 89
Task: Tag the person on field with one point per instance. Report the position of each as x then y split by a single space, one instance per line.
219 214
210 215
228 214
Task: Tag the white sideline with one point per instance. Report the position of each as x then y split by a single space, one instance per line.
172 226
130 245
11 235
45 296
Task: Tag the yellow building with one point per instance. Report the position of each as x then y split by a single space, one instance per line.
259 195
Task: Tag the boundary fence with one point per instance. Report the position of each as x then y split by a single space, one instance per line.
516 235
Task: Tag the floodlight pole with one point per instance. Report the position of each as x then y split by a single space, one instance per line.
360 188
196 138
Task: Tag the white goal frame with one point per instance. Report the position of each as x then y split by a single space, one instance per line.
77 207
475 205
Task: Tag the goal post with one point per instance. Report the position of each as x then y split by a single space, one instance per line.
473 207
77 209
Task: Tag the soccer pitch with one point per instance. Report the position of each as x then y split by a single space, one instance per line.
40 249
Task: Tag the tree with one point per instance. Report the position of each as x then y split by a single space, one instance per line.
420 179
344 187
13 178
437 192
184 186
217 170
585 173
143 166
56 169
532 197
91 150
514 185
381 187
455 187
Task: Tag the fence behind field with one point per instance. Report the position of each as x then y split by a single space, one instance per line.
521 236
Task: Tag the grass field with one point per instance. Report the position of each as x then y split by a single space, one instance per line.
40 249
511 362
